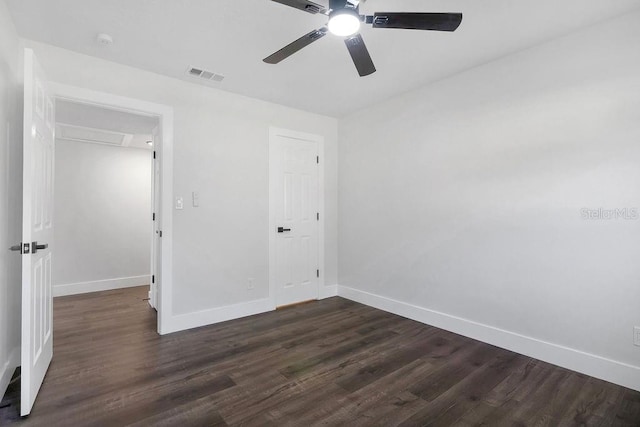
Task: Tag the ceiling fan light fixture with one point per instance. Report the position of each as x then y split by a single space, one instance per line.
344 22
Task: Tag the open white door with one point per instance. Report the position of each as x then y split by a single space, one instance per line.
37 232
155 232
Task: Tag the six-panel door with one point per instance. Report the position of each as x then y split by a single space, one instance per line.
37 233
296 213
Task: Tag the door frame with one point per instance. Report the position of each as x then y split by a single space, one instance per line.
164 217
277 132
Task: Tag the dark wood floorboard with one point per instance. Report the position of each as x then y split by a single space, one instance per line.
331 362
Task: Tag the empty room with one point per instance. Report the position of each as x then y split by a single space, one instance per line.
327 212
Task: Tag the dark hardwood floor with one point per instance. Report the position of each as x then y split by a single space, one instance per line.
332 362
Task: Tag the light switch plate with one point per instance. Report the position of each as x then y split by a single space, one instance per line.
179 203
636 336
196 199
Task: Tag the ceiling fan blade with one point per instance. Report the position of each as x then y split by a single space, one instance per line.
297 45
360 55
417 21
307 6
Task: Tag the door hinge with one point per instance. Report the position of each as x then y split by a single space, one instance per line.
153 279
153 217
160 233
318 159
154 154
318 216
317 273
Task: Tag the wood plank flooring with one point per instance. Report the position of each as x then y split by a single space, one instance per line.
332 362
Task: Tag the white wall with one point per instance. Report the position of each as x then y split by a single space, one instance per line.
460 203
221 151
10 197
102 217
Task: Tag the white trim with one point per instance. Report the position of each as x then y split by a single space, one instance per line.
328 291
100 285
230 312
274 132
590 364
165 115
220 314
7 370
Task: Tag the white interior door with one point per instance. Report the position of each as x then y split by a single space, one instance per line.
37 232
155 207
294 193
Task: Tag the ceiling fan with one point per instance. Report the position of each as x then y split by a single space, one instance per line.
345 21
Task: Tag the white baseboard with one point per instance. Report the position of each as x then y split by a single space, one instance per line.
328 291
196 319
100 285
217 315
590 364
7 369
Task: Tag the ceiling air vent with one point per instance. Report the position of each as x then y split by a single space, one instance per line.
205 75
313 8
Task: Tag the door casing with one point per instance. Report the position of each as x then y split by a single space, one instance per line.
164 159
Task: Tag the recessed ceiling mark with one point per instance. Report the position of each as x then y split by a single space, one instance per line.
104 39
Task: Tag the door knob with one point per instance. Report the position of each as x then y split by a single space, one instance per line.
35 247
23 248
282 230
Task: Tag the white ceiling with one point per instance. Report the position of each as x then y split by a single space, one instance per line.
231 37
104 122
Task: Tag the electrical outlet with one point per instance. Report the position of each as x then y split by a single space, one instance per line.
250 285
179 203
636 336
